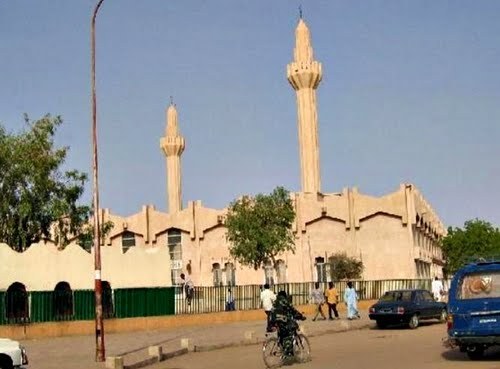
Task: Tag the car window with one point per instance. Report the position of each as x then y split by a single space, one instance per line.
396 296
479 285
427 296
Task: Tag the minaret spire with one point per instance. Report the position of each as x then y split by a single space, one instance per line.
304 74
173 145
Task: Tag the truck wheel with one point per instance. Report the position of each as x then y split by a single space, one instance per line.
6 362
475 352
413 323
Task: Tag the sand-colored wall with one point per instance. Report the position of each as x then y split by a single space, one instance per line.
42 266
385 248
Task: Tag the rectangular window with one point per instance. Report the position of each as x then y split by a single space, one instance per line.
176 276
174 237
281 272
230 272
269 275
174 242
479 286
321 272
217 277
128 240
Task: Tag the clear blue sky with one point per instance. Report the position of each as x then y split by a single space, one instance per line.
410 93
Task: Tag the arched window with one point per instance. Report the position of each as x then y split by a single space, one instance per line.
107 300
321 271
128 240
269 273
281 271
230 272
63 301
16 304
174 241
217 274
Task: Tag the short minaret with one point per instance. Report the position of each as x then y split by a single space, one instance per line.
304 74
173 145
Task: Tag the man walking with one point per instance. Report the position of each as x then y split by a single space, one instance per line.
332 299
351 300
188 288
267 298
437 289
318 298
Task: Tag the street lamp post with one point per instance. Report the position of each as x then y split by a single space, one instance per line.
99 327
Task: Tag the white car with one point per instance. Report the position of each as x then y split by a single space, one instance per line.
12 354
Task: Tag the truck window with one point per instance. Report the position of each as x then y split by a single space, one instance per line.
479 286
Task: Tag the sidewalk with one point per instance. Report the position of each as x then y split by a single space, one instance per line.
78 352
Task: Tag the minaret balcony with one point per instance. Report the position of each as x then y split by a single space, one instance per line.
304 74
172 145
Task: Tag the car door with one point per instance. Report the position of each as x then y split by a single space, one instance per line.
432 308
421 305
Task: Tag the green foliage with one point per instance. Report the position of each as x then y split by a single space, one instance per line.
259 228
86 236
345 267
478 239
37 198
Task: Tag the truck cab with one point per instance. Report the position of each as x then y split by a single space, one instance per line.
474 308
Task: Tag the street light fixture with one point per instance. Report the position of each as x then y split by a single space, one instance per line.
99 327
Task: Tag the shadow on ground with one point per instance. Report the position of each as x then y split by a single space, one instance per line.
492 354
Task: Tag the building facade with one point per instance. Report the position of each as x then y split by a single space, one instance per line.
396 236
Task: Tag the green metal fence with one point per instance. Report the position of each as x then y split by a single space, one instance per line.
137 302
22 307
214 299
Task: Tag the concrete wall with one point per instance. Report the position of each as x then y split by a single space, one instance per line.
42 266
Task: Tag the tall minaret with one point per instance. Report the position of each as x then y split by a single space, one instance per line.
304 74
173 146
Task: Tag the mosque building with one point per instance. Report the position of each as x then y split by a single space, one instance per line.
396 236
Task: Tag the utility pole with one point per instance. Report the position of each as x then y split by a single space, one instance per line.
99 327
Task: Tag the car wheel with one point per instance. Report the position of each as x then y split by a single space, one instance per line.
413 323
6 362
475 352
381 325
443 316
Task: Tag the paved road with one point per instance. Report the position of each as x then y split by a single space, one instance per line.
78 352
369 348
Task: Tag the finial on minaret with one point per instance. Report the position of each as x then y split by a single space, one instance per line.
172 124
171 100
300 11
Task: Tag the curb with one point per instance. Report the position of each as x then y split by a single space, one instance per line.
257 341
154 360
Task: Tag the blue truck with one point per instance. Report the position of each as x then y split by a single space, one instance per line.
474 308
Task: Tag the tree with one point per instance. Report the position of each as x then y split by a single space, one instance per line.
259 228
345 267
38 200
478 239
